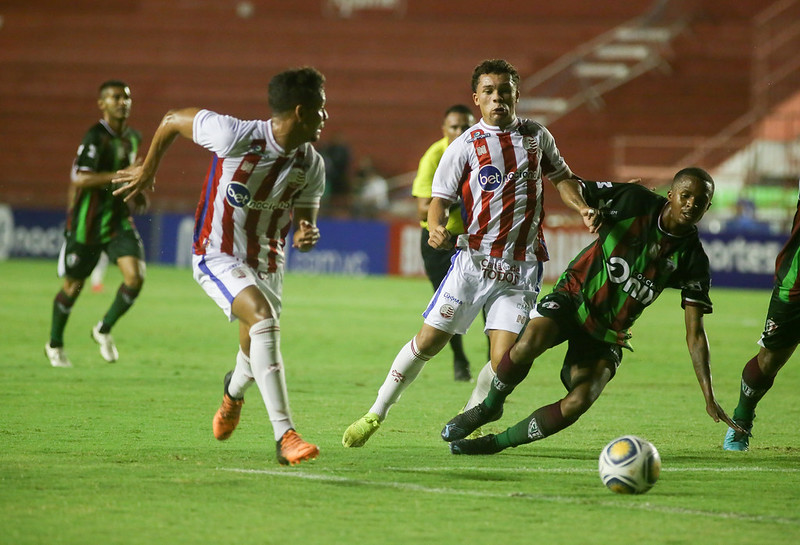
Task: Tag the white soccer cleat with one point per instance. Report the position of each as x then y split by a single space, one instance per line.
56 356
107 347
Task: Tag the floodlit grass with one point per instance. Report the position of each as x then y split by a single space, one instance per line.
123 453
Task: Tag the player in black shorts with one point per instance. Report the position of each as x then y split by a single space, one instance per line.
778 341
646 244
97 222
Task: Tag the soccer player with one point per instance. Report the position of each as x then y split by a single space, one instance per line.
99 221
496 167
778 341
457 119
264 178
646 243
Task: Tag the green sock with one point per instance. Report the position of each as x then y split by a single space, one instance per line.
62 306
498 392
543 422
122 302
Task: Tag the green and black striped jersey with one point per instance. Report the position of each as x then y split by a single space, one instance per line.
787 265
95 214
632 261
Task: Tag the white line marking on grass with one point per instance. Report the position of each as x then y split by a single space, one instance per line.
647 506
592 470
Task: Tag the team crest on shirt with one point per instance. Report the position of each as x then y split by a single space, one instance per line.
447 311
530 144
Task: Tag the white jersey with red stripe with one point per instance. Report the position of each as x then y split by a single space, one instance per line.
498 175
251 187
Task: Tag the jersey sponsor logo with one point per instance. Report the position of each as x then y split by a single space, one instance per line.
477 134
447 311
500 271
520 175
633 283
481 150
448 297
238 196
489 178
550 305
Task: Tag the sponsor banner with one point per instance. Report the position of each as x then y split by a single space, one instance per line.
372 247
354 248
40 233
742 261
405 258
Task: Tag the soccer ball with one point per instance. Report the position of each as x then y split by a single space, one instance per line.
629 465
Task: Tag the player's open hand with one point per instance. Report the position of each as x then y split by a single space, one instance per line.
306 236
717 413
132 181
440 239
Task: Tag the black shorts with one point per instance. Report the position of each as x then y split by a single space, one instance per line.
782 326
437 262
78 260
583 350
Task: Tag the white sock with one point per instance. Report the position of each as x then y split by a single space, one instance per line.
99 271
405 368
267 367
482 385
242 377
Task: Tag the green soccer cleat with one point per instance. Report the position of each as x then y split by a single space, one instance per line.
359 432
482 445
735 440
468 422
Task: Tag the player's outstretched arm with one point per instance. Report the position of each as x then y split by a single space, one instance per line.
137 178
572 195
697 342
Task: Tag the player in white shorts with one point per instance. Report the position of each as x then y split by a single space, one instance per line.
265 179
496 169
507 289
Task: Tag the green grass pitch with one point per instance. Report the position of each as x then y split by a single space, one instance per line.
123 453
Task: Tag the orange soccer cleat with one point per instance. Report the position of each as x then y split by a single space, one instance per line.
291 449
227 417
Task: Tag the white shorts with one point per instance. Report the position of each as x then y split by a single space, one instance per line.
506 289
223 277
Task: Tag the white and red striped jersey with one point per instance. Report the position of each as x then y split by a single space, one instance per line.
252 185
498 175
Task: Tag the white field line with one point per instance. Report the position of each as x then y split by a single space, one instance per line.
647 506
594 470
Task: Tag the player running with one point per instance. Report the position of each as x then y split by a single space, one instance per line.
646 244
98 222
778 341
264 177
496 167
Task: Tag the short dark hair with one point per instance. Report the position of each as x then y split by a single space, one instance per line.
458 109
294 87
494 66
110 83
695 173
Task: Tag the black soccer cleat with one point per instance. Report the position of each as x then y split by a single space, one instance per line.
482 445
465 423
